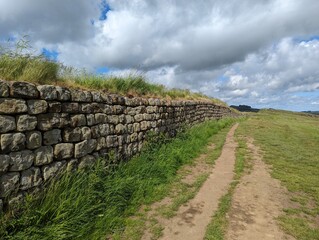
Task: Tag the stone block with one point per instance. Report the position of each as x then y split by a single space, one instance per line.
63 151
72 134
33 139
48 92
96 97
101 143
70 107
12 142
49 121
37 106
86 133
90 119
63 94
4 163
12 106
1 206
81 96
78 120
4 89
9 183
30 178
21 160
43 155
26 122
120 129
113 119
139 117
87 162
54 107
52 137
23 90
112 141
100 118
72 165
7 123
85 147
53 169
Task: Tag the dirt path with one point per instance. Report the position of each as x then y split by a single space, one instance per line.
192 218
257 201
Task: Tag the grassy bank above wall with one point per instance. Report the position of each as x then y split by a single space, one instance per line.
21 65
92 204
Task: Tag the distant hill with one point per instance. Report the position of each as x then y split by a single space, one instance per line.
245 108
312 112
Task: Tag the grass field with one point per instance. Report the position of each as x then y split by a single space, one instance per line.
290 142
94 204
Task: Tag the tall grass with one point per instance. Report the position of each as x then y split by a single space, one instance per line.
93 204
20 63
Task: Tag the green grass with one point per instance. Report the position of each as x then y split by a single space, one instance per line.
218 225
18 63
99 202
290 143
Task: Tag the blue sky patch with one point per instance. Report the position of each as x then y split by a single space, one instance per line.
105 8
102 70
307 39
51 55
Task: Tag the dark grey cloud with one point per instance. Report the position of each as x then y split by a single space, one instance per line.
49 21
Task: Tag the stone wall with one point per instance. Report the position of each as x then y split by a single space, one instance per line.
44 129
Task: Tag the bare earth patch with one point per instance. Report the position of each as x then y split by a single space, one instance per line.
192 218
257 201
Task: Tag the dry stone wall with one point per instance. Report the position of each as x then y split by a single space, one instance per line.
46 129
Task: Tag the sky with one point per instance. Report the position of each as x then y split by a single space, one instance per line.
261 53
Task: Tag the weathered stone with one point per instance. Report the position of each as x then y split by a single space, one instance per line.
85 147
23 90
72 165
15 202
4 89
63 94
26 122
113 119
12 142
133 137
4 163
104 129
81 96
96 96
87 162
53 169
43 155
136 127
54 107
7 123
48 92
70 107
140 136
34 139
37 106
122 119
78 120
21 160
49 121
72 134
100 118
130 128
129 119
30 178
117 109
9 183
139 117
120 129
85 133
52 137
111 141
144 125
101 143
63 151
12 106
90 119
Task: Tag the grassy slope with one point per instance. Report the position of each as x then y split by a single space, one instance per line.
290 142
90 205
16 65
